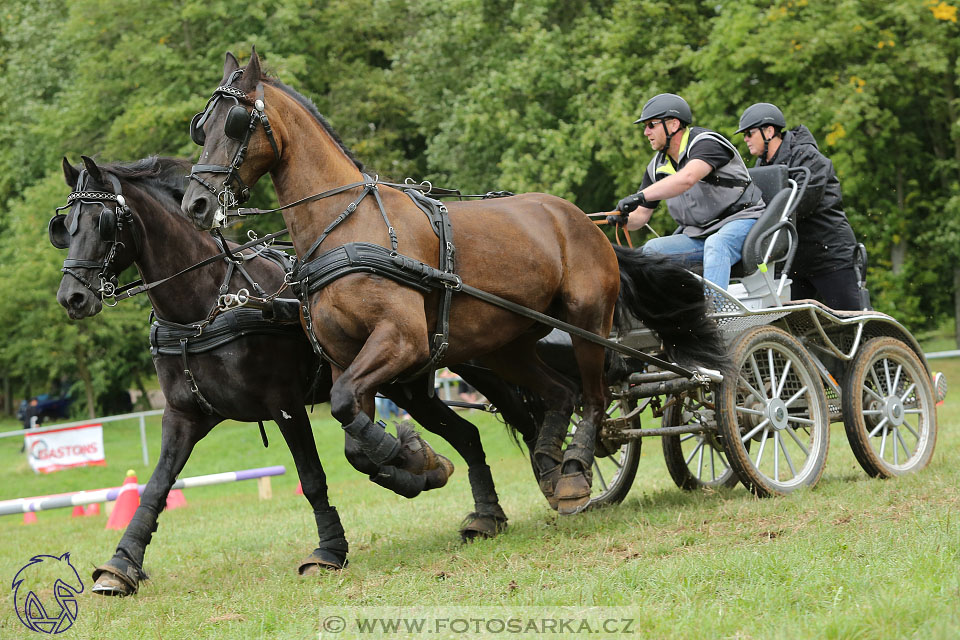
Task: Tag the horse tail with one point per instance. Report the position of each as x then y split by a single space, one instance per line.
670 300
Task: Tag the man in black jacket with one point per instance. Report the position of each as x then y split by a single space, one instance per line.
824 264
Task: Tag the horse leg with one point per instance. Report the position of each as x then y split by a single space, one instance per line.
573 487
426 469
387 352
519 363
487 519
331 552
181 431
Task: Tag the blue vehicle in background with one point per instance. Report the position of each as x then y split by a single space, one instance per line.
46 406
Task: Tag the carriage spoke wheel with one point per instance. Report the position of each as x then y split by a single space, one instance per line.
695 460
888 409
772 413
614 465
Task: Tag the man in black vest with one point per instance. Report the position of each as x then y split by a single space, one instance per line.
824 264
708 190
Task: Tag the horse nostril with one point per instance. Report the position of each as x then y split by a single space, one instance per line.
76 301
198 208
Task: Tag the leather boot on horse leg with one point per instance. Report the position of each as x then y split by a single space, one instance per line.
432 469
121 575
331 551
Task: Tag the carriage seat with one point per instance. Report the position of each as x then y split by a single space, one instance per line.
772 180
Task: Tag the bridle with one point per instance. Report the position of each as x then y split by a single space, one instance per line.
239 125
111 225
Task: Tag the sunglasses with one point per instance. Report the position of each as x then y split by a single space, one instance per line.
650 124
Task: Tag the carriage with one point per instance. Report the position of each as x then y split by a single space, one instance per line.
798 366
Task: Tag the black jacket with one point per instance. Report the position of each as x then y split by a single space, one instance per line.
827 242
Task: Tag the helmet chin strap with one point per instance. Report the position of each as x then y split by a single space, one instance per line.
766 145
668 135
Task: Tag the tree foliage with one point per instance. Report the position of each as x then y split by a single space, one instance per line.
480 95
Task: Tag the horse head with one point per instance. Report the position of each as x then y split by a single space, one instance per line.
98 231
239 144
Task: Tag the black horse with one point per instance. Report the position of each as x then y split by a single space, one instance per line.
240 366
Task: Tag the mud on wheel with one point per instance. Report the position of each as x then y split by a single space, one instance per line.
615 462
772 413
695 460
889 409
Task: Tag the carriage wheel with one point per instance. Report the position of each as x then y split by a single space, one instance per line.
614 465
695 460
888 409
772 415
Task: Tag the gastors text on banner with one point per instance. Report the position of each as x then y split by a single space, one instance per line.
64 448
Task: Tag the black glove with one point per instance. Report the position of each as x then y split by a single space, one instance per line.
619 220
631 202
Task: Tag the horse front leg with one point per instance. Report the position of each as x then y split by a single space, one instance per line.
405 465
121 575
331 552
487 519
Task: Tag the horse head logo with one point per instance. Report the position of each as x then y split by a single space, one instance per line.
45 594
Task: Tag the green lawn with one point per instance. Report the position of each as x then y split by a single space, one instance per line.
854 558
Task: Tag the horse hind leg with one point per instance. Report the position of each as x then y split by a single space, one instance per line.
573 488
519 363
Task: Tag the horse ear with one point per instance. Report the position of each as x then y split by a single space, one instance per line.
92 168
251 75
70 173
230 64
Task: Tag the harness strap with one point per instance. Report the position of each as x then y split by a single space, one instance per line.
205 406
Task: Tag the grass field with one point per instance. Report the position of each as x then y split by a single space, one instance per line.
854 558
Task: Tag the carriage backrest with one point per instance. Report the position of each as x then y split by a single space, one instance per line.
772 179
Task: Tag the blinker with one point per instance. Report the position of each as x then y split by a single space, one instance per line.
57 230
108 224
196 129
237 122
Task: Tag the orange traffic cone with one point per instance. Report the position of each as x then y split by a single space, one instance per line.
77 511
127 502
299 490
92 509
29 517
175 499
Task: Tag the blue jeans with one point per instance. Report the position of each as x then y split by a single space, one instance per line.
718 251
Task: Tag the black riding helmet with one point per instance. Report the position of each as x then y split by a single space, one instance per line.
759 115
666 105
762 114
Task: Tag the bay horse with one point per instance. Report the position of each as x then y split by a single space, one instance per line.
261 371
363 263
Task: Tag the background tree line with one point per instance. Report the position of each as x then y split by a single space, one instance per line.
479 95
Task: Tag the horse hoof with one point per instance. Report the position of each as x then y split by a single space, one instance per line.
548 485
438 477
110 583
572 493
321 559
476 527
418 456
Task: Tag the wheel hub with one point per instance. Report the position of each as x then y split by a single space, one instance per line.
777 413
893 410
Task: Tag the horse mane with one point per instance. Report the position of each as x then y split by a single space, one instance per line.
161 177
307 104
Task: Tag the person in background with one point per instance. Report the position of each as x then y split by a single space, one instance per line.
824 264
